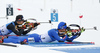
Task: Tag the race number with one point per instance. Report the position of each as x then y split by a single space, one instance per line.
31 39
54 15
9 10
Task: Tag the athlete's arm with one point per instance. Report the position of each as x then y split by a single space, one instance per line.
73 37
12 27
27 31
57 37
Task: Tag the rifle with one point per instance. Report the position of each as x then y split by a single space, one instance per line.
30 24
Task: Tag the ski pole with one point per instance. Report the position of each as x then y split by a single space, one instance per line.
94 28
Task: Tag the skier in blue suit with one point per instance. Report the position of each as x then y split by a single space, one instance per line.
50 36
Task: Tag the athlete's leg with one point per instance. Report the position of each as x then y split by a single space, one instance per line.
10 40
36 37
13 37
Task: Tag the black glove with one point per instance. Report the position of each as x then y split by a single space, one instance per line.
36 24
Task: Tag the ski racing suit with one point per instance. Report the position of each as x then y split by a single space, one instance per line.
50 36
10 27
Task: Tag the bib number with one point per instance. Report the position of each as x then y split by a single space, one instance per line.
31 40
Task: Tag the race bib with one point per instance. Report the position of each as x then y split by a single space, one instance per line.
31 39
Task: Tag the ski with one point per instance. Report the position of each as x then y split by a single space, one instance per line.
8 45
79 42
57 44
65 43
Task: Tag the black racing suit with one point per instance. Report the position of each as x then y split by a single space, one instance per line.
19 31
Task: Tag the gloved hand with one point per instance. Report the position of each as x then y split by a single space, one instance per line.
82 29
24 27
36 24
72 33
69 33
32 25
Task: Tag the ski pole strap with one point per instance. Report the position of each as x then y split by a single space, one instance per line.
75 25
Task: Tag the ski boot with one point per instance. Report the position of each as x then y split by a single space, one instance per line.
24 42
1 38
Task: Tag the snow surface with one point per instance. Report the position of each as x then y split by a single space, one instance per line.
68 12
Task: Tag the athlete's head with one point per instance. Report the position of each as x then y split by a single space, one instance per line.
19 19
62 27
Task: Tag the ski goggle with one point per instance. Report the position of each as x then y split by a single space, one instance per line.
63 27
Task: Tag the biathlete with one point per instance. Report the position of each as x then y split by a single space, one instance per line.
15 28
11 27
58 34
